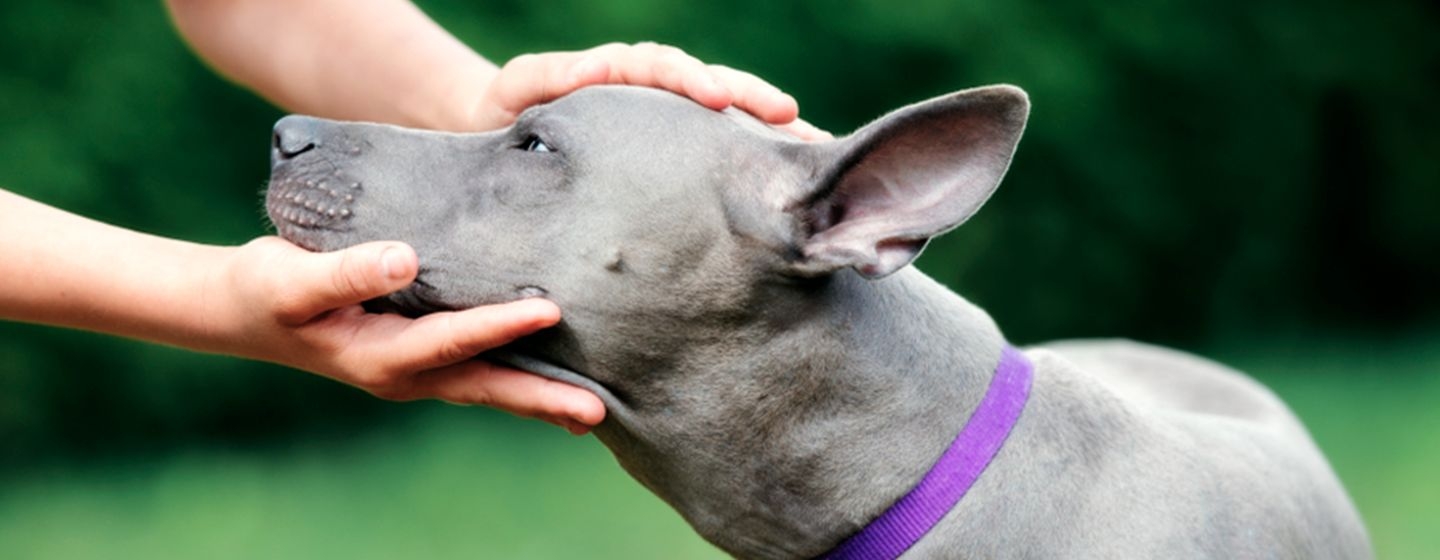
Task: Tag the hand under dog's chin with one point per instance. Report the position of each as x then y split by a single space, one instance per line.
421 298
405 302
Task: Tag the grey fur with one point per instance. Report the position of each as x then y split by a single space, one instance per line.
771 367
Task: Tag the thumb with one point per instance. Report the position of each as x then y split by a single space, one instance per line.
320 282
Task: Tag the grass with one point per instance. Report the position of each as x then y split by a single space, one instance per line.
454 483
1374 409
465 483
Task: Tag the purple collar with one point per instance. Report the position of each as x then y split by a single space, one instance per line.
901 526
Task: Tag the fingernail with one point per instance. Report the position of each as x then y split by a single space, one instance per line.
395 263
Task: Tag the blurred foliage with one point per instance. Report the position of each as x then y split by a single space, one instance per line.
1217 176
456 483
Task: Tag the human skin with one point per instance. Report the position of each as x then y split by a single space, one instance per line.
385 61
376 60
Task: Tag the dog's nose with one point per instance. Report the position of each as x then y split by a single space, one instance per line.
294 135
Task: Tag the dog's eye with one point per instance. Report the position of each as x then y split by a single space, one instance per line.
535 144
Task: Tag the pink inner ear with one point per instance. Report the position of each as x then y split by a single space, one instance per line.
893 255
921 171
925 189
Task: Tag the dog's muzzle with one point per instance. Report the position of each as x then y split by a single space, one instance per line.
308 191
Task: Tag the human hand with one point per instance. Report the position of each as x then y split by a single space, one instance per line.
537 78
276 302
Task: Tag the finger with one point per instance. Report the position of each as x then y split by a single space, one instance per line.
442 339
756 96
805 131
314 283
587 71
673 69
515 391
531 79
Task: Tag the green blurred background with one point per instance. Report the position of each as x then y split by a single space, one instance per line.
1254 181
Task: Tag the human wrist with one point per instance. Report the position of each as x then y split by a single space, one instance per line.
450 101
208 310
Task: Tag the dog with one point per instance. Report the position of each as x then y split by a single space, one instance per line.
772 366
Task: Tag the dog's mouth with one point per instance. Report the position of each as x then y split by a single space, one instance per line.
418 299
301 202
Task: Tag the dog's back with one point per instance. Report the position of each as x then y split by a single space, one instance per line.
1173 382
1169 456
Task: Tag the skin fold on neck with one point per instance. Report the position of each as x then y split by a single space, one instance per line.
779 443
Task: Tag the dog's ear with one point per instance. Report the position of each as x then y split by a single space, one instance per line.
884 191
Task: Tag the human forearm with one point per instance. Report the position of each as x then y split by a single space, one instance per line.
374 60
386 61
64 270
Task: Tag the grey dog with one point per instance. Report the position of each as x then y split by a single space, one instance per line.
773 368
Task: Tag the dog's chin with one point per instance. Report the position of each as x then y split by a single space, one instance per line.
528 353
301 238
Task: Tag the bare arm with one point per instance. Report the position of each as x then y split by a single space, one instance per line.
272 301
376 60
64 270
386 61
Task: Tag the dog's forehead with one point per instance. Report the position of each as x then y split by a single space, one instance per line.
623 100
637 109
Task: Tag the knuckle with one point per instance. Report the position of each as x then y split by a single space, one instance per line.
673 63
748 78
287 298
349 279
522 61
673 53
287 302
480 396
450 349
377 380
516 68
610 50
727 75
450 352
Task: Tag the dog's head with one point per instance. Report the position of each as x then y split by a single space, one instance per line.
654 223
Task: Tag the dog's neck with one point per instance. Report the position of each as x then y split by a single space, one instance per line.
825 422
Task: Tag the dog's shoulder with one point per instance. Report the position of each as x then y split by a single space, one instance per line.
1144 437
1168 381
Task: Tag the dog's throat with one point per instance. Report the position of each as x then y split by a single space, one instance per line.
947 482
